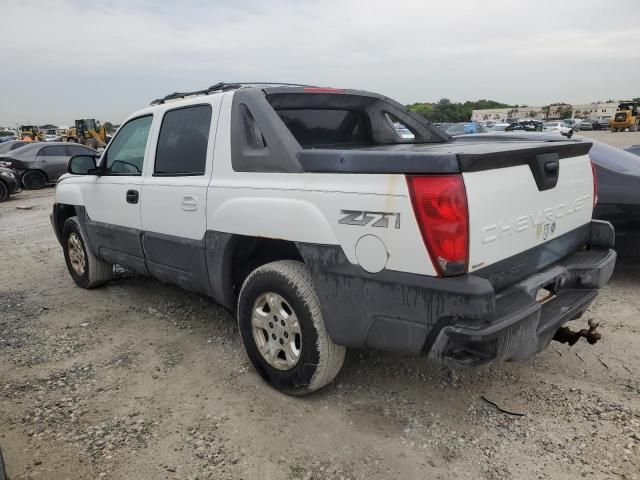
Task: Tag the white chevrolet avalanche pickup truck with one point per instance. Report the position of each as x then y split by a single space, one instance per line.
328 218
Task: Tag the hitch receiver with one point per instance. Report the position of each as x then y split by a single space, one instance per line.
566 335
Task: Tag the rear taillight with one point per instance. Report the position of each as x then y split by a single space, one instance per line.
440 205
595 184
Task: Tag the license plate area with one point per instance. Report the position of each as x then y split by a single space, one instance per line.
548 291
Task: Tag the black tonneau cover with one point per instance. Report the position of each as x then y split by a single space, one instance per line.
470 153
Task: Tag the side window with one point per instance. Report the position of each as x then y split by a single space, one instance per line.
78 150
125 155
57 151
182 143
400 128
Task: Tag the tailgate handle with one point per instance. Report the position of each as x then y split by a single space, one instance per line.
545 168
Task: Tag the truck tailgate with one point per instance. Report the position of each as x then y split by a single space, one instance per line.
511 211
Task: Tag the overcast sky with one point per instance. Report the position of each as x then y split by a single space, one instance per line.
70 59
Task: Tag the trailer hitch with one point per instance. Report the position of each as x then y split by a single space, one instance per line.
566 335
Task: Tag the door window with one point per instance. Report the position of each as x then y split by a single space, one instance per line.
125 155
57 151
79 150
183 140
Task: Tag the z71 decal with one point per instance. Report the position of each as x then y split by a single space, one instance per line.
362 218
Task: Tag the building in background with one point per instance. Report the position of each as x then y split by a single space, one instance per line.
594 111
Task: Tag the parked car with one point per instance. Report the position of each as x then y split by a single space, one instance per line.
40 163
525 126
618 175
321 233
601 124
635 149
586 125
49 137
498 127
466 128
6 147
559 127
9 183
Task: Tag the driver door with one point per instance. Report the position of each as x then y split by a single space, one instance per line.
112 200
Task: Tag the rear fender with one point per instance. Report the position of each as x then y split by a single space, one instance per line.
277 218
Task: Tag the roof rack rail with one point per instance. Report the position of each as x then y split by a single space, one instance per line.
220 87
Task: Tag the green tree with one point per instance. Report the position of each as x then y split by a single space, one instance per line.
444 110
108 127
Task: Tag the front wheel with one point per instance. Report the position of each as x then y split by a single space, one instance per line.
85 268
34 180
283 330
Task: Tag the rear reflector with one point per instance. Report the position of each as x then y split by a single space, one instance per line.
440 205
323 90
595 184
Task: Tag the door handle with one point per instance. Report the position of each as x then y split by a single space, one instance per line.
189 203
133 196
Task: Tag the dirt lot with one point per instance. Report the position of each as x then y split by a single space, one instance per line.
138 380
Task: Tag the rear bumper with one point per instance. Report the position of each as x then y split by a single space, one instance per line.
471 319
520 325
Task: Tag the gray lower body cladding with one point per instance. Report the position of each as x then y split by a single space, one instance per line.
486 316
461 320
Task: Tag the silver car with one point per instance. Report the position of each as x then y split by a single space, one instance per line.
41 163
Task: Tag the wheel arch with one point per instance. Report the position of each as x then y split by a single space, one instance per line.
232 257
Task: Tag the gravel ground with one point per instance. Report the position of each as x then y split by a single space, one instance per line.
142 380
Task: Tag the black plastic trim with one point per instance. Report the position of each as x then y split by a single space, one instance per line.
513 269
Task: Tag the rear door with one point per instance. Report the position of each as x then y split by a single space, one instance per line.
52 160
174 195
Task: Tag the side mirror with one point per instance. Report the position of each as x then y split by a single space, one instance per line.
82 165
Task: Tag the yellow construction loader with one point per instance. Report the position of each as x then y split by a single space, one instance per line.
626 117
88 132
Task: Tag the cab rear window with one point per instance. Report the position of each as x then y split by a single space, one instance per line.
315 127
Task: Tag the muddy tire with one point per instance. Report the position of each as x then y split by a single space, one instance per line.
34 180
634 127
85 268
71 140
613 129
283 330
4 191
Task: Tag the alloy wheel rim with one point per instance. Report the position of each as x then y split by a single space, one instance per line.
276 331
76 254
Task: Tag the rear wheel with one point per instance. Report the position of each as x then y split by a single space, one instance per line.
613 129
283 330
85 268
34 180
634 127
4 191
71 140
